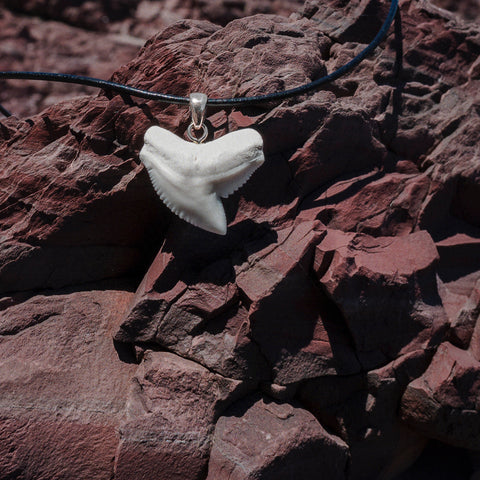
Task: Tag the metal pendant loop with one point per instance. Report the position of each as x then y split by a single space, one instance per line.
191 136
198 104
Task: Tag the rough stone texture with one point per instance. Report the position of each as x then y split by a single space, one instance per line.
362 409
30 43
171 409
93 14
63 386
78 211
94 38
469 10
366 276
444 401
151 16
346 291
260 438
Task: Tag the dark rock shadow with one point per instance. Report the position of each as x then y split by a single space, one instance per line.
125 352
194 250
398 81
440 461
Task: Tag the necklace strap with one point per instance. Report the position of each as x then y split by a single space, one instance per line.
218 102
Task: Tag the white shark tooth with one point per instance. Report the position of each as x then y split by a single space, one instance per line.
190 178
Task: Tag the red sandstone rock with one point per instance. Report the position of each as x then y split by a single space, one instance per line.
63 386
462 327
78 210
472 312
210 329
386 290
29 43
311 338
150 16
260 438
469 9
362 410
443 402
91 15
172 408
348 253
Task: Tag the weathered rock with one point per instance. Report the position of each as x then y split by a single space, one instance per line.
260 438
443 402
366 276
351 249
470 10
170 416
79 210
378 205
30 43
150 16
312 165
273 282
93 14
459 274
348 22
311 338
463 325
63 386
362 410
470 313
195 319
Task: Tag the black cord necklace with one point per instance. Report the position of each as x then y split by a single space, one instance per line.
191 177
220 102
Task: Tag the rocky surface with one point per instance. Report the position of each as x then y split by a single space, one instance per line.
333 332
171 409
64 386
94 38
32 43
260 438
444 401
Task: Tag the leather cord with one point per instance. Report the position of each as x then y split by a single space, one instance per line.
219 102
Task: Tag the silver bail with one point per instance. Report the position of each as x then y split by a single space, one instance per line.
198 104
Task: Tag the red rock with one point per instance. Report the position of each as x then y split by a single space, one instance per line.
171 412
31 43
346 22
156 15
365 276
459 262
326 155
460 277
260 438
91 15
311 338
470 313
197 320
63 386
362 410
373 203
337 260
462 331
443 402
469 10
78 210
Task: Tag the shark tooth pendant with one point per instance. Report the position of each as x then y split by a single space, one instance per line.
191 177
